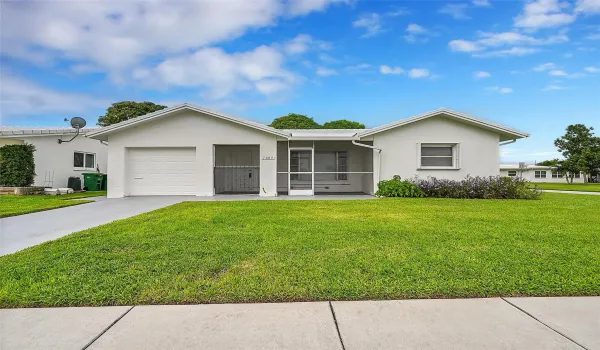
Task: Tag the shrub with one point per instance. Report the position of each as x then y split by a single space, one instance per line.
17 168
493 187
398 188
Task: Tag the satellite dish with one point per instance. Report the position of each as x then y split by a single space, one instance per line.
77 122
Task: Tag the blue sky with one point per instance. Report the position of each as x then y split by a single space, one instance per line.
532 65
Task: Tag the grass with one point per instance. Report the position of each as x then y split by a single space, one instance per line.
270 251
591 187
18 205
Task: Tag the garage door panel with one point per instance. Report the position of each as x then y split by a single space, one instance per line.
162 171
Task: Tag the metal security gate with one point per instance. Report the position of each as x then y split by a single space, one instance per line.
237 169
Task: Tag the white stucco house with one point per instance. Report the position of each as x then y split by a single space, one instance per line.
190 150
537 173
55 162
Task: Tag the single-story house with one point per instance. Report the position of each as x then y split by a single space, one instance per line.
190 150
55 162
537 173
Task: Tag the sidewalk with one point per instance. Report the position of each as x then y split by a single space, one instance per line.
495 323
573 192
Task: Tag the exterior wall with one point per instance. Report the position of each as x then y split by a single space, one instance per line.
529 175
52 156
478 149
191 129
359 160
4 142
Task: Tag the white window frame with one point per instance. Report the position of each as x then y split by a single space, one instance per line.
538 174
578 175
83 168
341 175
455 155
557 174
514 173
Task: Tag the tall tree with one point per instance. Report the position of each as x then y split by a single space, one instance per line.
125 110
295 121
580 148
551 162
343 124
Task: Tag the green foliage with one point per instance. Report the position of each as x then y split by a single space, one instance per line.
125 110
11 205
492 187
295 121
343 124
551 162
580 148
17 166
300 121
398 188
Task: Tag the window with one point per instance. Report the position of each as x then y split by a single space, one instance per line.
512 173
438 156
540 174
82 160
578 175
557 174
300 162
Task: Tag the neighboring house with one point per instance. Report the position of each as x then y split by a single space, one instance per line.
537 173
189 150
54 162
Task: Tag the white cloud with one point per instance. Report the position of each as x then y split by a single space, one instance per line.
552 87
544 67
557 73
20 98
500 90
358 67
592 69
513 51
121 38
417 73
588 6
457 11
390 70
481 3
302 7
481 75
562 73
543 14
326 72
415 32
371 22
490 41
221 73
464 46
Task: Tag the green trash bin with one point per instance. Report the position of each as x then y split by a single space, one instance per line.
93 181
104 181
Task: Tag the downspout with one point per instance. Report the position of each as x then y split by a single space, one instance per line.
378 155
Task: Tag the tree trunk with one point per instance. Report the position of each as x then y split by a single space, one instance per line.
585 179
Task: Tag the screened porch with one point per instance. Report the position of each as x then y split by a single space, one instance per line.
324 167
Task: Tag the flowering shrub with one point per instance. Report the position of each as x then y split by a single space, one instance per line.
493 187
398 188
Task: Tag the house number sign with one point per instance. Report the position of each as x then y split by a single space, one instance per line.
268 158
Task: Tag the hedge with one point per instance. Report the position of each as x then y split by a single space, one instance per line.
17 167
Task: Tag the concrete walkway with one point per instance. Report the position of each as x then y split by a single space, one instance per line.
23 231
496 323
573 192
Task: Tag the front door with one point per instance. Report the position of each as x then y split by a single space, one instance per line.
301 174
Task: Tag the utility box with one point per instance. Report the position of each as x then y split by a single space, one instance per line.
74 182
93 181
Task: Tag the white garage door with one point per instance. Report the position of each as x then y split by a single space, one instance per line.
161 171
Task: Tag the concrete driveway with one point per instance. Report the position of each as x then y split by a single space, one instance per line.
20 232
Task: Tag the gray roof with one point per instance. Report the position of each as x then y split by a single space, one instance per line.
22 131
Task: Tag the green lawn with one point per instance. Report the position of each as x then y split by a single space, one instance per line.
18 205
591 187
268 251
